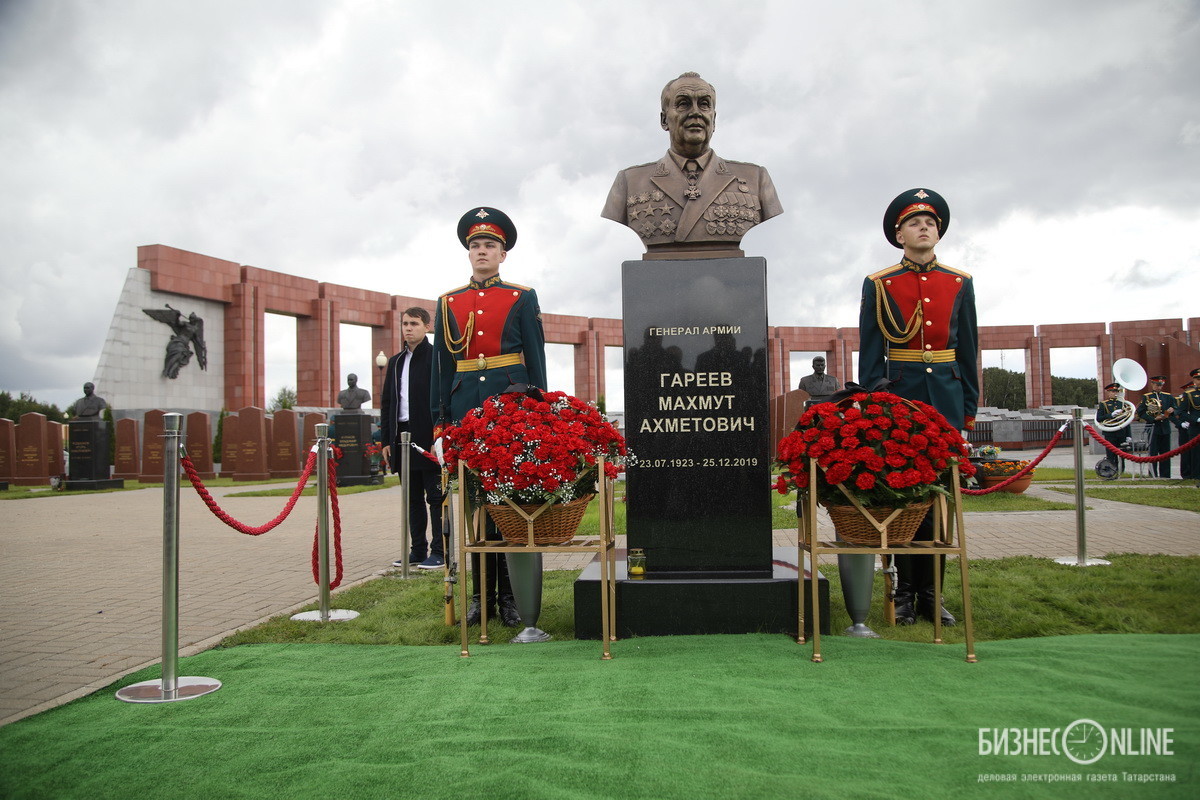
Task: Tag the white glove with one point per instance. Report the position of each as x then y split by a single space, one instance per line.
437 451
1185 425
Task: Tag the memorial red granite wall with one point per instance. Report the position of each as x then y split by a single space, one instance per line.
1168 345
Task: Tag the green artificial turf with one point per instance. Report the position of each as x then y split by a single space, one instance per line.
669 717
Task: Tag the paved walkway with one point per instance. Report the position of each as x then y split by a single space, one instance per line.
81 575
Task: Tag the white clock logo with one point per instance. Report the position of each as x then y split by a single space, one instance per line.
1084 741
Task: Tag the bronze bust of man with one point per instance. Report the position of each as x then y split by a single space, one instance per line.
691 202
351 398
91 405
819 385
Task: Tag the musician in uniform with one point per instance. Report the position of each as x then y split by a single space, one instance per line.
1110 408
487 335
917 329
1188 405
1157 408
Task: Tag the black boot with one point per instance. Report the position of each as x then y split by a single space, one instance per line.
924 590
904 604
473 611
925 607
508 611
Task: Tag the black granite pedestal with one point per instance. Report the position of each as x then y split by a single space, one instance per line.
697 417
702 605
88 448
352 433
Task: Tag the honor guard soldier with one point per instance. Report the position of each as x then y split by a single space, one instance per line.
1111 407
1157 408
917 329
1188 405
487 336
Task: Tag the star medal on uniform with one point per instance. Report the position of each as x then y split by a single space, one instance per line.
692 171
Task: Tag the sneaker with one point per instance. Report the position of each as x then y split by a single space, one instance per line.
433 562
412 559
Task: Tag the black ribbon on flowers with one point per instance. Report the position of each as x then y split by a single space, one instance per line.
527 389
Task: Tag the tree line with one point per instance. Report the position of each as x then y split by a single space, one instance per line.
1003 388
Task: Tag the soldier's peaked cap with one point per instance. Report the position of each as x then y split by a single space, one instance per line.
915 201
490 222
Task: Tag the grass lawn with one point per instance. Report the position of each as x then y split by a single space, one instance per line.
1066 475
310 490
27 492
1012 598
1186 498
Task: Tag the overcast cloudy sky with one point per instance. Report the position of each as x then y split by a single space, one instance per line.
341 141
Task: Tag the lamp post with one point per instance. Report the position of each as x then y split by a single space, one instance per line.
380 362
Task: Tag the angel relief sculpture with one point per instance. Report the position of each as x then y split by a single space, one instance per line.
186 332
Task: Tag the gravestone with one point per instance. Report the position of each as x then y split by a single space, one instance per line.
127 457
29 465
8 446
352 433
199 444
251 445
88 448
55 445
229 446
785 413
285 444
152 447
697 416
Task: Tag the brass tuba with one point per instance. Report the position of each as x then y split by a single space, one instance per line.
1131 376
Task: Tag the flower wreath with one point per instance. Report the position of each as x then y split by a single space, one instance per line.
532 450
884 450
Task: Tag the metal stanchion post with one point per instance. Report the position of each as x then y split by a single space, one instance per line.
1080 559
169 687
324 614
405 477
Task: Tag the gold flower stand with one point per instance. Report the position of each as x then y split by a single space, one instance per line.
470 540
949 538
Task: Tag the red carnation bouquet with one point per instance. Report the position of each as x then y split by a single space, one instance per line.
532 450
884 450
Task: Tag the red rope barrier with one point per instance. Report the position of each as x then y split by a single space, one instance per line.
1025 471
1112 448
241 527
337 532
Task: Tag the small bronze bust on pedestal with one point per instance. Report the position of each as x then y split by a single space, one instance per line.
91 405
819 385
352 398
691 202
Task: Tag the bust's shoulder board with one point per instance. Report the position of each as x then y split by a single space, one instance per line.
874 276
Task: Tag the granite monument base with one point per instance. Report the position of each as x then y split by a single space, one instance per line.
352 433
695 605
93 485
89 468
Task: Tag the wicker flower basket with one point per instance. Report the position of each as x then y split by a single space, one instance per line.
556 525
849 523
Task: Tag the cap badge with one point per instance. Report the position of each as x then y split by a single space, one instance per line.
921 194
482 214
